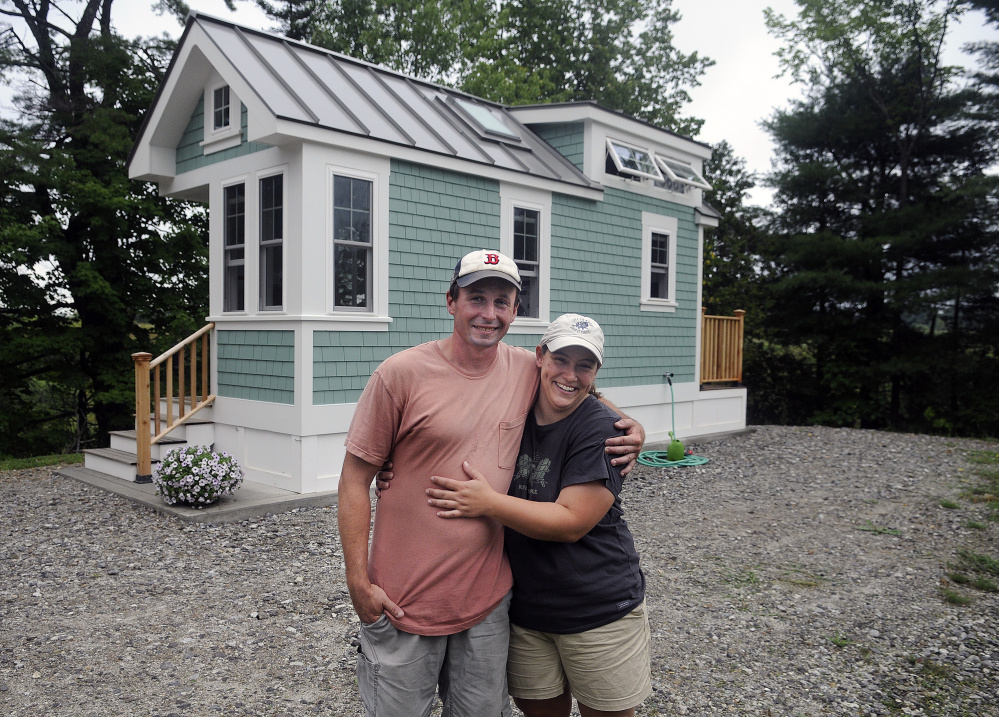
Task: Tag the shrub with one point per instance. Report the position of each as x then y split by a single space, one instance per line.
196 476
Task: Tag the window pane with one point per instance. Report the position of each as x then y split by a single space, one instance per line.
234 288
351 276
528 296
659 287
272 272
660 248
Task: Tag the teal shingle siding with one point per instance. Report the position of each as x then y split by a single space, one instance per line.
191 155
257 365
435 217
598 245
566 138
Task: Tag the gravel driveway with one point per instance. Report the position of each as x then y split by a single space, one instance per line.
802 571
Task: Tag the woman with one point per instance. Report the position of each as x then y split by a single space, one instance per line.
578 621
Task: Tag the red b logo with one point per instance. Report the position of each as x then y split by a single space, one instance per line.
492 258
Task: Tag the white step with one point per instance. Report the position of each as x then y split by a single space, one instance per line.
113 462
126 441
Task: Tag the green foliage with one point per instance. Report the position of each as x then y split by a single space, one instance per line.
95 266
885 259
620 53
14 464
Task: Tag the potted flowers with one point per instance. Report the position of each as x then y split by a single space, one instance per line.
196 476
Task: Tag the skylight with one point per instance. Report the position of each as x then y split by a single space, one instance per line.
633 160
681 173
488 121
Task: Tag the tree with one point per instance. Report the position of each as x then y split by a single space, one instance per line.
95 266
617 52
885 213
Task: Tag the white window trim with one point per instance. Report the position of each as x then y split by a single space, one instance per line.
260 176
512 196
225 137
375 317
661 225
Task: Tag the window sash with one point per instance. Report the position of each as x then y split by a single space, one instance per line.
629 159
352 244
221 107
271 242
234 243
681 173
526 248
659 267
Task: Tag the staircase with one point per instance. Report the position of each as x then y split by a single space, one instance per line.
121 459
180 415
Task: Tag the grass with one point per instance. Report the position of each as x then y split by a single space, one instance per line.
955 598
978 562
949 504
839 640
14 464
987 468
975 525
869 527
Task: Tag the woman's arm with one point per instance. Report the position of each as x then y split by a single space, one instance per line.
574 513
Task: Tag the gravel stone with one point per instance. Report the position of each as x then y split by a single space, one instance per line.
800 572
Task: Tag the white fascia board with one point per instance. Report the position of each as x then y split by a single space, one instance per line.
288 130
197 61
614 123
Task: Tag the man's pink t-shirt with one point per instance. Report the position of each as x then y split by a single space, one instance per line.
427 416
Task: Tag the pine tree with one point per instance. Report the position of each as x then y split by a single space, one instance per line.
882 204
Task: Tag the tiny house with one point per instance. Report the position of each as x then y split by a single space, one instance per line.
341 194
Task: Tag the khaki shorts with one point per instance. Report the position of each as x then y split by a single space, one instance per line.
607 668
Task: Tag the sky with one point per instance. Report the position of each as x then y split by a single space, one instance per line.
736 94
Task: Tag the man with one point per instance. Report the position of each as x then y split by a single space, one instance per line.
433 595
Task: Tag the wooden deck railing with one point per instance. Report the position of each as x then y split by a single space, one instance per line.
169 384
721 348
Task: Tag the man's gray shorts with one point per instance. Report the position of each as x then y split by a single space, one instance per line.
398 673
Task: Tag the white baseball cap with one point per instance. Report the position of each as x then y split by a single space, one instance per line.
575 330
483 264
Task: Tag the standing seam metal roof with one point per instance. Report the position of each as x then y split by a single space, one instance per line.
307 84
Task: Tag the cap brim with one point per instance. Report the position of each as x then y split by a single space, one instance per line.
566 341
475 276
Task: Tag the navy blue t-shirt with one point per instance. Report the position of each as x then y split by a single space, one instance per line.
567 588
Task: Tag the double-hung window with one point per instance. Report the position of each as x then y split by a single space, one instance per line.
525 237
659 238
271 243
659 266
234 247
352 245
527 255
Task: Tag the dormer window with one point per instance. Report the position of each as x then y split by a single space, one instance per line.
223 117
631 160
681 173
220 107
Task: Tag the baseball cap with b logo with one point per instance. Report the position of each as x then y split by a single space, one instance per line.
484 264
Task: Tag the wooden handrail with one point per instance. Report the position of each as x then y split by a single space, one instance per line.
149 432
721 347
